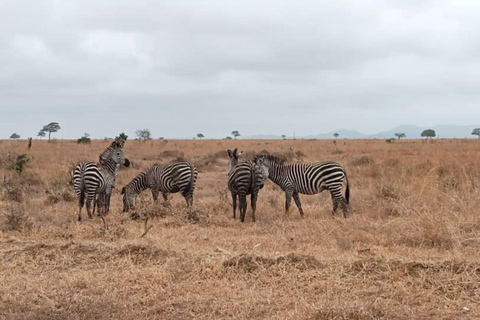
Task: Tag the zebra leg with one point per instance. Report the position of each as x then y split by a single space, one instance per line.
243 206
234 204
165 198
95 202
254 204
288 200
296 197
108 195
90 198
154 195
81 202
344 205
189 200
335 203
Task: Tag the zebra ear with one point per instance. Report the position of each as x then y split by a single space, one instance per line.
123 190
239 154
230 153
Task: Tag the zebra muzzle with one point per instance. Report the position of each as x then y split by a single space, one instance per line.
126 163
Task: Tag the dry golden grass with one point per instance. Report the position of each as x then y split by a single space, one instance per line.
410 249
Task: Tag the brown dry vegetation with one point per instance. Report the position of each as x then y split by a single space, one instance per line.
410 249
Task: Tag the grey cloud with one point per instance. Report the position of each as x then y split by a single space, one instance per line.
258 67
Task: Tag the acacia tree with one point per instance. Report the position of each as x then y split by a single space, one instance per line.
41 134
284 136
15 136
235 134
200 135
336 135
429 133
143 134
476 132
400 135
50 128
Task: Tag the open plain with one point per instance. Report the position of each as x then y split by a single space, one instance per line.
409 250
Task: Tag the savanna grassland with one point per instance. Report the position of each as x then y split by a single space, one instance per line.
409 250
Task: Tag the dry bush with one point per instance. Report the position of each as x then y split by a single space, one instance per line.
16 218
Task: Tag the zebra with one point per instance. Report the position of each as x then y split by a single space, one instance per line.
243 179
164 178
92 178
308 178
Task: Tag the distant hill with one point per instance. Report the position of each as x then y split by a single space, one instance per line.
411 131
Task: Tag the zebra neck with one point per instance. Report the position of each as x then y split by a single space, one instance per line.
109 166
277 173
139 183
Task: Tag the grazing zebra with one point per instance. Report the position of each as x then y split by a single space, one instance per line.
308 178
164 178
98 178
243 179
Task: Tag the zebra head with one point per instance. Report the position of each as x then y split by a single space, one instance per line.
268 161
115 153
129 198
233 158
260 162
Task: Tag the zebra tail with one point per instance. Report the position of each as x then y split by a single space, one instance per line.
347 191
188 188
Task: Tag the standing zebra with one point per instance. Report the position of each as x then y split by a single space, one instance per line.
308 178
98 178
164 178
243 179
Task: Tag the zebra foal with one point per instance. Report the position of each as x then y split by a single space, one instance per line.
165 178
308 178
90 179
243 179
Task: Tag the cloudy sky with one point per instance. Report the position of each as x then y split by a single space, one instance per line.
274 67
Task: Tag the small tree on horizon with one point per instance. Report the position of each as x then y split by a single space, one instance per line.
41 134
50 128
200 135
284 136
429 133
228 138
15 136
476 132
336 135
400 135
235 134
85 139
143 134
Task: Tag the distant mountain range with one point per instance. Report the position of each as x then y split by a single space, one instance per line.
411 131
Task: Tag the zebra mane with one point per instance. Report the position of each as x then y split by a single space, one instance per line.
270 158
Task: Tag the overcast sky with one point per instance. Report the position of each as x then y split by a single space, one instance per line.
273 67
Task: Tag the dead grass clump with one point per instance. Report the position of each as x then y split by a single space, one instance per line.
348 313
388 191
12 191
251 263
141 254
362 161
210 159
16 218
172 154
427 232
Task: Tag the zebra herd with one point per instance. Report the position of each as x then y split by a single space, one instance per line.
94 182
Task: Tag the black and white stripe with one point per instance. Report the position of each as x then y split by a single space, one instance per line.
92 178
243 179
308 178
165 178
